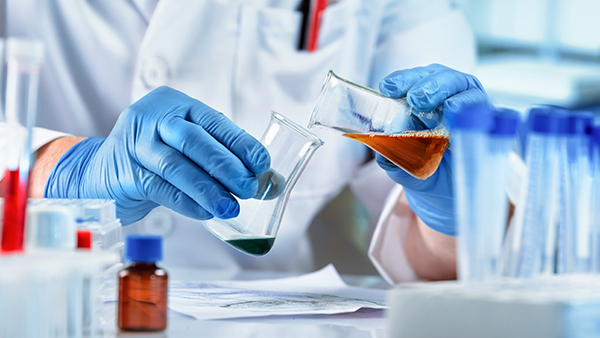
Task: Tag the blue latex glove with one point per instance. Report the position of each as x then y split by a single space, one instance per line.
165 149
427 88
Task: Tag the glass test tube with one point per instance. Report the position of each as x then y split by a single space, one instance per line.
469 146
481 142
24 58
577 198
501 141
534 219
595 212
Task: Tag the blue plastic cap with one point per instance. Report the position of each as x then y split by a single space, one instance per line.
506 122
471 117
547 120
143 248
580 123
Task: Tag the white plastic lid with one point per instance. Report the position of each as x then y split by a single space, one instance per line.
24 51
51 227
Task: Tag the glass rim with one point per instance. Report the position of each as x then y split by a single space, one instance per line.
367 89
297 128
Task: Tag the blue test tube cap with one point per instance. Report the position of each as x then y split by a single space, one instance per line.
580 123
505 122
547 120
141 248
471 117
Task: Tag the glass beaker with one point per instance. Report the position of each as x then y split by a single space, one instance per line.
254 230
413 140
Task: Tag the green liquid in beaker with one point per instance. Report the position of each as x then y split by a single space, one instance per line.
256 246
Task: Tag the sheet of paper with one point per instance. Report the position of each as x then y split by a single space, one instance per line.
321 292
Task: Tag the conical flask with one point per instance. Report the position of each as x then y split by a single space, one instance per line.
254 230
413 140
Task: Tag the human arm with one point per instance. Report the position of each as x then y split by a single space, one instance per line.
427 240
431 254
46 157
165 149
412 33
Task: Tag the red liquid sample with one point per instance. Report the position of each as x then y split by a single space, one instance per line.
142 304
84 239
418 153
15 202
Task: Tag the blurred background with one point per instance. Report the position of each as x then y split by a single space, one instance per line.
538 51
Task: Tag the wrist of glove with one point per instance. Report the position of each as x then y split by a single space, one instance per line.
71 177
66 178
431 200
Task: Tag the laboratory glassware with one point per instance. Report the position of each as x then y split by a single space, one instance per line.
470 127
143 286
24 58
501 141
53 294
535 215
414 140
577 195
254 230
481 142
595 225
50 227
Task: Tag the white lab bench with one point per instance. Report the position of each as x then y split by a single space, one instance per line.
364 323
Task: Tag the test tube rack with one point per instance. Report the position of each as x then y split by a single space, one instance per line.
549 306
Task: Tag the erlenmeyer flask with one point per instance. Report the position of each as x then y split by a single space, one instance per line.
414 140
254 230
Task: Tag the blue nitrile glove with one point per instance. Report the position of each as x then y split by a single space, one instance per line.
427 88
165 149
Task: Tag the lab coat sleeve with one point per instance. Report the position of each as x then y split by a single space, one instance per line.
39 137
386 250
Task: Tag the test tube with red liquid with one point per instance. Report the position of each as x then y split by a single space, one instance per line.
23 60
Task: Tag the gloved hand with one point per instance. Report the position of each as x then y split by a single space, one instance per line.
165 149
425 89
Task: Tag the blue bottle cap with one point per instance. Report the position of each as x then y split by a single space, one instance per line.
547 120
580 123
143 248
471 117
506 122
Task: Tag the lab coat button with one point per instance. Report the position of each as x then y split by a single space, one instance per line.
155 72
158 222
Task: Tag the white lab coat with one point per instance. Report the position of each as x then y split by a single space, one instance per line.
240 57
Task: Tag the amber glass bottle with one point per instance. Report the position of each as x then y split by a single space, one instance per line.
142 304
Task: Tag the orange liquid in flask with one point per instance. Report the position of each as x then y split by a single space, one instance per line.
418 153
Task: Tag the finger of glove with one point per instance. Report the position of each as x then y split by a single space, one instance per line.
431 91
248 149
165 194
209 154
469 97
403 178
186 176
398 83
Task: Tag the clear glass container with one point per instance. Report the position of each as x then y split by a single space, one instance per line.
413 140
254 230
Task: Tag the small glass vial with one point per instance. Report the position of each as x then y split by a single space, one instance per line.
142 303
